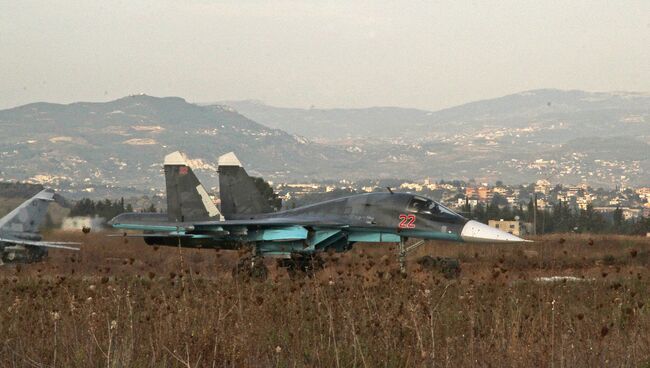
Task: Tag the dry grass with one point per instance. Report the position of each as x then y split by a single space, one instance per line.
118 304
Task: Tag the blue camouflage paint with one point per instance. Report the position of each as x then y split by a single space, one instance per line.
280 233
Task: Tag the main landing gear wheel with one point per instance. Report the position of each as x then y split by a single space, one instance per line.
20 254
251 268
299 266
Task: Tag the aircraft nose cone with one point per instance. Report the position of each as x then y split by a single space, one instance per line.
474 231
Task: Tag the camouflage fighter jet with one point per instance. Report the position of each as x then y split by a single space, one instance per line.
20 240
295 236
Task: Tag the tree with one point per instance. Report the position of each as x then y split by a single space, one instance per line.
479 213
530 209
499 200
84 207
590 220
641 227
617 217
492 212
466 207
151 208
268 193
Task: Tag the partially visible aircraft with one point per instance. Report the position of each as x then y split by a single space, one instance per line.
20 240
296 236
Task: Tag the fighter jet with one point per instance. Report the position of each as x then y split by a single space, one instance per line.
19 237
296 236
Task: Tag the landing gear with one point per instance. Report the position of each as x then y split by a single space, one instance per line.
449 267
22 254
299 266
251 267
402 255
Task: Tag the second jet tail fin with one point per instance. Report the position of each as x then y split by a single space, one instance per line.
187 199
28 217
240 193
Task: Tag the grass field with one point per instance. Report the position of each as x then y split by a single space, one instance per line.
117 304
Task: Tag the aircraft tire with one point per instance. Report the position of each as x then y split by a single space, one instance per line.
300 266
28 255
259 271
296 272
312 264
251 268
35 254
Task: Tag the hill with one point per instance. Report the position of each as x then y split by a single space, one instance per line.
116 148
552 113
122 142
563 136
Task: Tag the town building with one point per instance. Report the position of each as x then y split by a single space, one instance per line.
518 228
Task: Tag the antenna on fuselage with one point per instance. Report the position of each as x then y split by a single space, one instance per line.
390 190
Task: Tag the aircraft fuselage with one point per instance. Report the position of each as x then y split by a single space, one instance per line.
334 224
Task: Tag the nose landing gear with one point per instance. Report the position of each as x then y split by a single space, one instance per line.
449 267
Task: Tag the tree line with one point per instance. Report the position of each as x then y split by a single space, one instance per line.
106 208
560 218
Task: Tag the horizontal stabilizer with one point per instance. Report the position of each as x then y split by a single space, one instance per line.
45 244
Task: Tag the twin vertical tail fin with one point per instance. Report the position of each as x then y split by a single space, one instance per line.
241 194
28 217
187 199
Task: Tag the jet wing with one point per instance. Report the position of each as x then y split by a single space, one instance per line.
264 229
46 244
183 227
270 222
150 235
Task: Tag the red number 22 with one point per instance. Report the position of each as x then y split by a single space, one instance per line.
406 221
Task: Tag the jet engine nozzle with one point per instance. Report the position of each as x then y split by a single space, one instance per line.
474 231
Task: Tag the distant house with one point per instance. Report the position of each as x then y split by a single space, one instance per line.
80 222
517 228
460 202
542 186
482 193
412 186
628 213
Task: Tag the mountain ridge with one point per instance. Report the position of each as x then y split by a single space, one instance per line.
325 124
120 143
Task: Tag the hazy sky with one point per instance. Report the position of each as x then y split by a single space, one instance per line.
428 54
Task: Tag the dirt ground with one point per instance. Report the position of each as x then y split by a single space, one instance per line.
564 300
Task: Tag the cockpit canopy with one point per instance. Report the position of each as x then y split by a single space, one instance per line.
433 210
